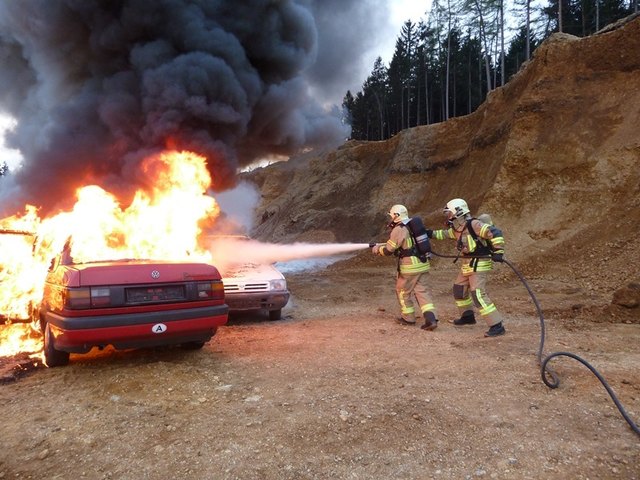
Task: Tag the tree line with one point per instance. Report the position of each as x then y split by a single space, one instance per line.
445 66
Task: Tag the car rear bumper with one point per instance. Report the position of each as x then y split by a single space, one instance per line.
80 334
256 301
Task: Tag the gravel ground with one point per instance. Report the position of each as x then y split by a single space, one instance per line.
337 389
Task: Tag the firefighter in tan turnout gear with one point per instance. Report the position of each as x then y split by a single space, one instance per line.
412 271
474 237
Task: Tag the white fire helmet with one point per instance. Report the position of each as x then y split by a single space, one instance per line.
398 213
456 208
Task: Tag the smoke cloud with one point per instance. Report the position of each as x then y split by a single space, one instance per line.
351 35
96 86
238 205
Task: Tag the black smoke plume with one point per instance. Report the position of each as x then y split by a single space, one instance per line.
97 85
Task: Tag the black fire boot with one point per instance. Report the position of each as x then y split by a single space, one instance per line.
430 321
467 318
402 321
495 330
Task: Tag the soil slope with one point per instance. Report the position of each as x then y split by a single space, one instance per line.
553 156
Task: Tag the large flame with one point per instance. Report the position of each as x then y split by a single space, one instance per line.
162 222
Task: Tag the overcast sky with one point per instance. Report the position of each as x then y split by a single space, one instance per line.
358 31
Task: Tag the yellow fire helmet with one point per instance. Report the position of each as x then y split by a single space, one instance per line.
456 208
398 213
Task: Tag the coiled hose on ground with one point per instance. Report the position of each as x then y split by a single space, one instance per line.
549 377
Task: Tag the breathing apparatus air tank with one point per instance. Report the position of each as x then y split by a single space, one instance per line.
419 233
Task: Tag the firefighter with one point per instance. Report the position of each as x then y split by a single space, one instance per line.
412 271
474 237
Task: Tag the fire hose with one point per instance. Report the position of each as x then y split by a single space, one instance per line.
549 377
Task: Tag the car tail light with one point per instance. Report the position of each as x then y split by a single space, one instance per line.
100 296
81 298
210 290
77 298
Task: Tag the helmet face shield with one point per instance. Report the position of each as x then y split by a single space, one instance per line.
449 217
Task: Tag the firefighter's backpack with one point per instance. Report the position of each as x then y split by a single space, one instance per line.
420 238
486 247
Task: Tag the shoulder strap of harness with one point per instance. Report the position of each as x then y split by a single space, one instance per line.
484 245
467 226
472 232
408 252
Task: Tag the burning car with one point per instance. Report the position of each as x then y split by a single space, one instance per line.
89 296
128 304
249 284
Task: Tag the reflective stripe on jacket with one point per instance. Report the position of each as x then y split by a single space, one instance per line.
400 238
469 245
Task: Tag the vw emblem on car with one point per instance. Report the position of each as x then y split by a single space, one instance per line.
159 328
155 274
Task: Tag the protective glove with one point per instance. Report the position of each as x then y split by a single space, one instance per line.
375 250
429 233
497 257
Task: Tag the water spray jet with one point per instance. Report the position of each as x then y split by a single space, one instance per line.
236 250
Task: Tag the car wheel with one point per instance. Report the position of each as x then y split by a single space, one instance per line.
275 314
53 357
192 345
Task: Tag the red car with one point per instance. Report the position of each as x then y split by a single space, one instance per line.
128 304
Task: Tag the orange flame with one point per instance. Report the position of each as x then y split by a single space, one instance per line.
19 338
162 222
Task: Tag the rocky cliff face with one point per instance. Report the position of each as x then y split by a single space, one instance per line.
554 156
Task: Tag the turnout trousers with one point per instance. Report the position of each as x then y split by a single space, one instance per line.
413 285
469 290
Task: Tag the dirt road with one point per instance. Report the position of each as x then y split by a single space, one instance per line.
338 390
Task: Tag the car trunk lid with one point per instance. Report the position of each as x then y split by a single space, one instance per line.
141 272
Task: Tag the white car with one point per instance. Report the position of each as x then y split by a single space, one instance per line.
248 285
